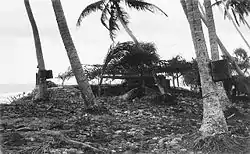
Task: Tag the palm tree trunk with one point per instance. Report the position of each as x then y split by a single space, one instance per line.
72 54
211 30
236 27
104 67
223 48
130 33
214 121
229 57
215 51
42 86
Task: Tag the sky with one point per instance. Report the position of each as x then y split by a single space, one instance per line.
171 35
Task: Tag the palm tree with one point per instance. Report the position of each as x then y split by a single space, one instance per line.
214 50
240 7
72 53
213 118
113 12
42 86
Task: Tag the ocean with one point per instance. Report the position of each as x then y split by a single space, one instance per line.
11 90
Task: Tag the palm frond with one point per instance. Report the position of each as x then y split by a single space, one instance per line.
141 5
104 16
89 9
130 55
235 17
122 14
113 26
108 57
240 7
217 3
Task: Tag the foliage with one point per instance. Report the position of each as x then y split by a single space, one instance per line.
92 71
65 75
112 11
242 59
177 66
238 7
132 58
174 67
192 77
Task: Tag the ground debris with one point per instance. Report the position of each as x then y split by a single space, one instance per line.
115 126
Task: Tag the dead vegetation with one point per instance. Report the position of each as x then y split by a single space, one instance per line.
140 125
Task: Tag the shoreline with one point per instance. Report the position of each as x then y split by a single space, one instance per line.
5 97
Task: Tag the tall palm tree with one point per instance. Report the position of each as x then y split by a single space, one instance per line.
214 50
72 53
42 86
213 118
112 11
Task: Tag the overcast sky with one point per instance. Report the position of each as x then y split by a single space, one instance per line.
171 35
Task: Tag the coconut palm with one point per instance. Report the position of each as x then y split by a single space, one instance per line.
112 11
213 118
72 53
42 86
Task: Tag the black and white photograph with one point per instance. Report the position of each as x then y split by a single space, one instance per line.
125 77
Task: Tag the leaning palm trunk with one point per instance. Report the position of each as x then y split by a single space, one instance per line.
215 51
130 33
213 118
222 47
72 54
236 27
41 86
229 57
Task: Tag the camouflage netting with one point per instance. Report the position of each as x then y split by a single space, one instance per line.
64 93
